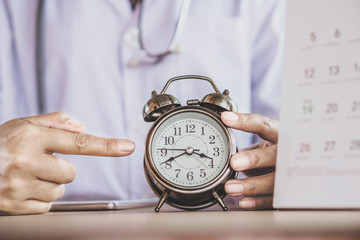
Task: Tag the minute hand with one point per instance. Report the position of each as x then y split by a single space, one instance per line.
173 158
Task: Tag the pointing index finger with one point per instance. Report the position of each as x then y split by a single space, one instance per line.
65 142
265 127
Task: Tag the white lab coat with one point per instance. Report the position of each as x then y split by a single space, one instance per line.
87 48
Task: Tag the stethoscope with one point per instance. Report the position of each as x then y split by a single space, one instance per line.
174 42
146 56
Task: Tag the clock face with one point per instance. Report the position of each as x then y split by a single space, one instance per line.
190 149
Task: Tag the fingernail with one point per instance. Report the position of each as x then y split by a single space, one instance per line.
76 125
230 116
233 188
247 204
126 146
240 162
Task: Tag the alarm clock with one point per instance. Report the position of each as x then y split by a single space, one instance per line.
188 148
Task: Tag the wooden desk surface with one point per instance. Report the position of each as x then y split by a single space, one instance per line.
173 224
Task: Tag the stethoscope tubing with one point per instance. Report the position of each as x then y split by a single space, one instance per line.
39 57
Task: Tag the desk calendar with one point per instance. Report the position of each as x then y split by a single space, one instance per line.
318 161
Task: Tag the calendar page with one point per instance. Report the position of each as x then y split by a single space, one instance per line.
318 161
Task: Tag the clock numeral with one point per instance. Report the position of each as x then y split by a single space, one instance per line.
177 131
211 163
329 146
163 152
190 176
169 140
216 151
178 172
202 131
168 165
190 128
212 139
202 173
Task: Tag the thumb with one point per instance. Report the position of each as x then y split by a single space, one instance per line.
58 120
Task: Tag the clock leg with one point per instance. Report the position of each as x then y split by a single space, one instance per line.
162 200
219 200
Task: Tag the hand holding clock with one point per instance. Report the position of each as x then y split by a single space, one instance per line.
257 162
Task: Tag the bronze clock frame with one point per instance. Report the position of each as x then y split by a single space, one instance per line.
162 107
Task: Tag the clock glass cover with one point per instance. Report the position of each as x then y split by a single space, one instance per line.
190 149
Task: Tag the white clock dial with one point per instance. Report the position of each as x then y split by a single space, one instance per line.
190 149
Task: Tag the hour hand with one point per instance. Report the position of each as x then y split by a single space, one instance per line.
202 155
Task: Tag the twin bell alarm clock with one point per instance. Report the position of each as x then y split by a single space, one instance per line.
188 148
